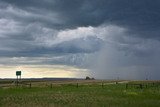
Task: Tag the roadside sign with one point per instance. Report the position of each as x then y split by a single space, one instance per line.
18 73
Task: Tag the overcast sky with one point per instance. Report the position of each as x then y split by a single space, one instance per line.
105 39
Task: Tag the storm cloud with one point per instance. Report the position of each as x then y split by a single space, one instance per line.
111 38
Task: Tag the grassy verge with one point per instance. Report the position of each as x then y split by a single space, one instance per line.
68 95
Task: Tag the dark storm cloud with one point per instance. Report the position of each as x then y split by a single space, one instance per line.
123 34
137 15
140 18
90 45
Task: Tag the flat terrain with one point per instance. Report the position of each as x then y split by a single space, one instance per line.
90 93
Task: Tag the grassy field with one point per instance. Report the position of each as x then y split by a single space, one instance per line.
87 94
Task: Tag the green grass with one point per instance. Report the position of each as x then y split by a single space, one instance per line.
69 95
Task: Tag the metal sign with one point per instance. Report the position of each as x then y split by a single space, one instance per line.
18 73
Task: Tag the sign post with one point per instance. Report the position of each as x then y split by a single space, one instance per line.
18 74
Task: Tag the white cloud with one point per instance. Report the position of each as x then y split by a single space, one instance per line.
9 26
101 32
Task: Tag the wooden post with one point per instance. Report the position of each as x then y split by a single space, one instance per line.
77 85
102 84
51 86
30 85
126 86
17 81
141 86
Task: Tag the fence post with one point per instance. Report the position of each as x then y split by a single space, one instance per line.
51 86
102 84
146 85
30 85
141 86
126 86
77 85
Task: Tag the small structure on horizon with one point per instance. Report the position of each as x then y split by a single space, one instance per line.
88 78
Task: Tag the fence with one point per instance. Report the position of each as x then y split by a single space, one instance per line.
142 85
80 84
